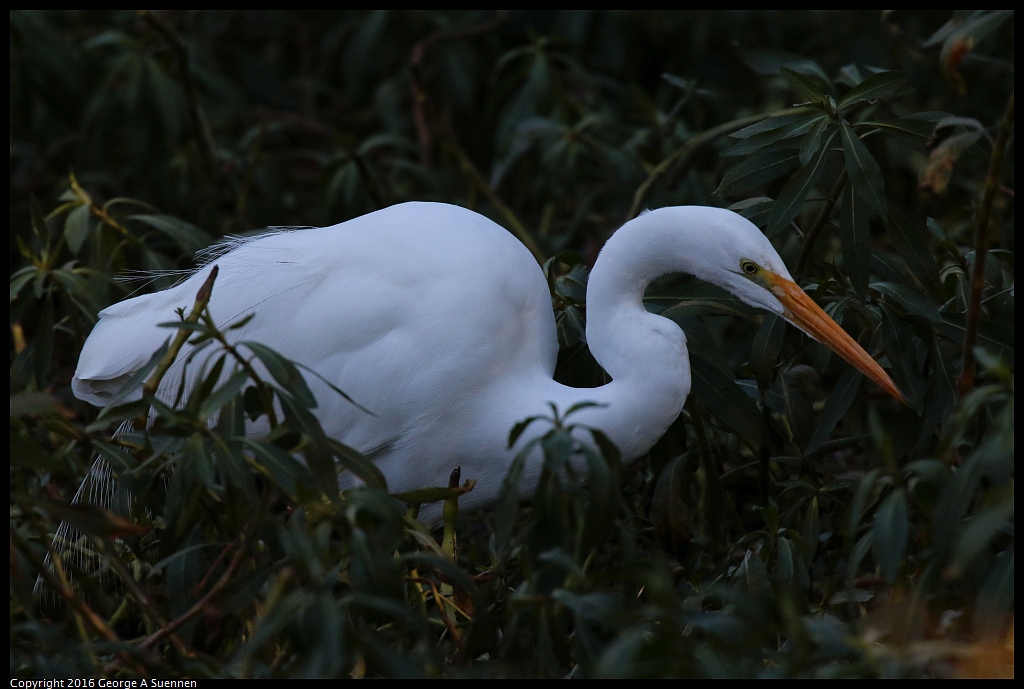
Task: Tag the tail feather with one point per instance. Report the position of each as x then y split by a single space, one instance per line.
75 548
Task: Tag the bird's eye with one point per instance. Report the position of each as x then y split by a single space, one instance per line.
748 267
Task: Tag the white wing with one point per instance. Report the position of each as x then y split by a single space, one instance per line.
413 311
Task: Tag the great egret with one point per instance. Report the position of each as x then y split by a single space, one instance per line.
439 322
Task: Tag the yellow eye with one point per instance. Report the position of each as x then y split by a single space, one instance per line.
749 267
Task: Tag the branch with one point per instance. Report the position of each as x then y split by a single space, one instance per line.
202 299
420 99
423 112
981 243
200 605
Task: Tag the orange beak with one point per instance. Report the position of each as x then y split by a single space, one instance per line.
801 311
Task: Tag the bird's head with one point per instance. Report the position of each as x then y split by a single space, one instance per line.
729 251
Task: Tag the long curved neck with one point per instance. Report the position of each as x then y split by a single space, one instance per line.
644 354
623 336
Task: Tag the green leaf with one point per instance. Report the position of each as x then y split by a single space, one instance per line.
919 125
783 572
835 408
812 527
758 170
791 198
186 235
978 25
284 372
427 495
698 299
359 464
756 209
288 473
77 227
755 575
21 278
31 403
995 335
684 84
899 348
764 353
865 175
911 244
572 328
783 137
811 142
222 395
855 239
780 123
955 500
39 226
876 86
890 534
603 489
770 62
867 491
995 601
979 531
910 300
94 521
719 394
804 87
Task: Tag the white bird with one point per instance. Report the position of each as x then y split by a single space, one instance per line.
439 322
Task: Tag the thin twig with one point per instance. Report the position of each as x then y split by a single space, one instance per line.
981 243
201 604
420 99
142 599
85 198
441 601
424 112
202 299
255 150
265 395
449 543
175 624
478 179
62 587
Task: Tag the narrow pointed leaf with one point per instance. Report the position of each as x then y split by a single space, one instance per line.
186 235
791 198
890 534
909 299
835 408
77 228
811 142
764 353
855 239
782 122
899 347
719 394
881 85
865 175
757 170
284 372
805 88
911 244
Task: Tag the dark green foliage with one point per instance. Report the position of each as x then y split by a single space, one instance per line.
793 522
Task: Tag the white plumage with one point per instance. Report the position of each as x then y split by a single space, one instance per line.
440 322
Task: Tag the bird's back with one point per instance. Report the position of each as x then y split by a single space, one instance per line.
412 311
